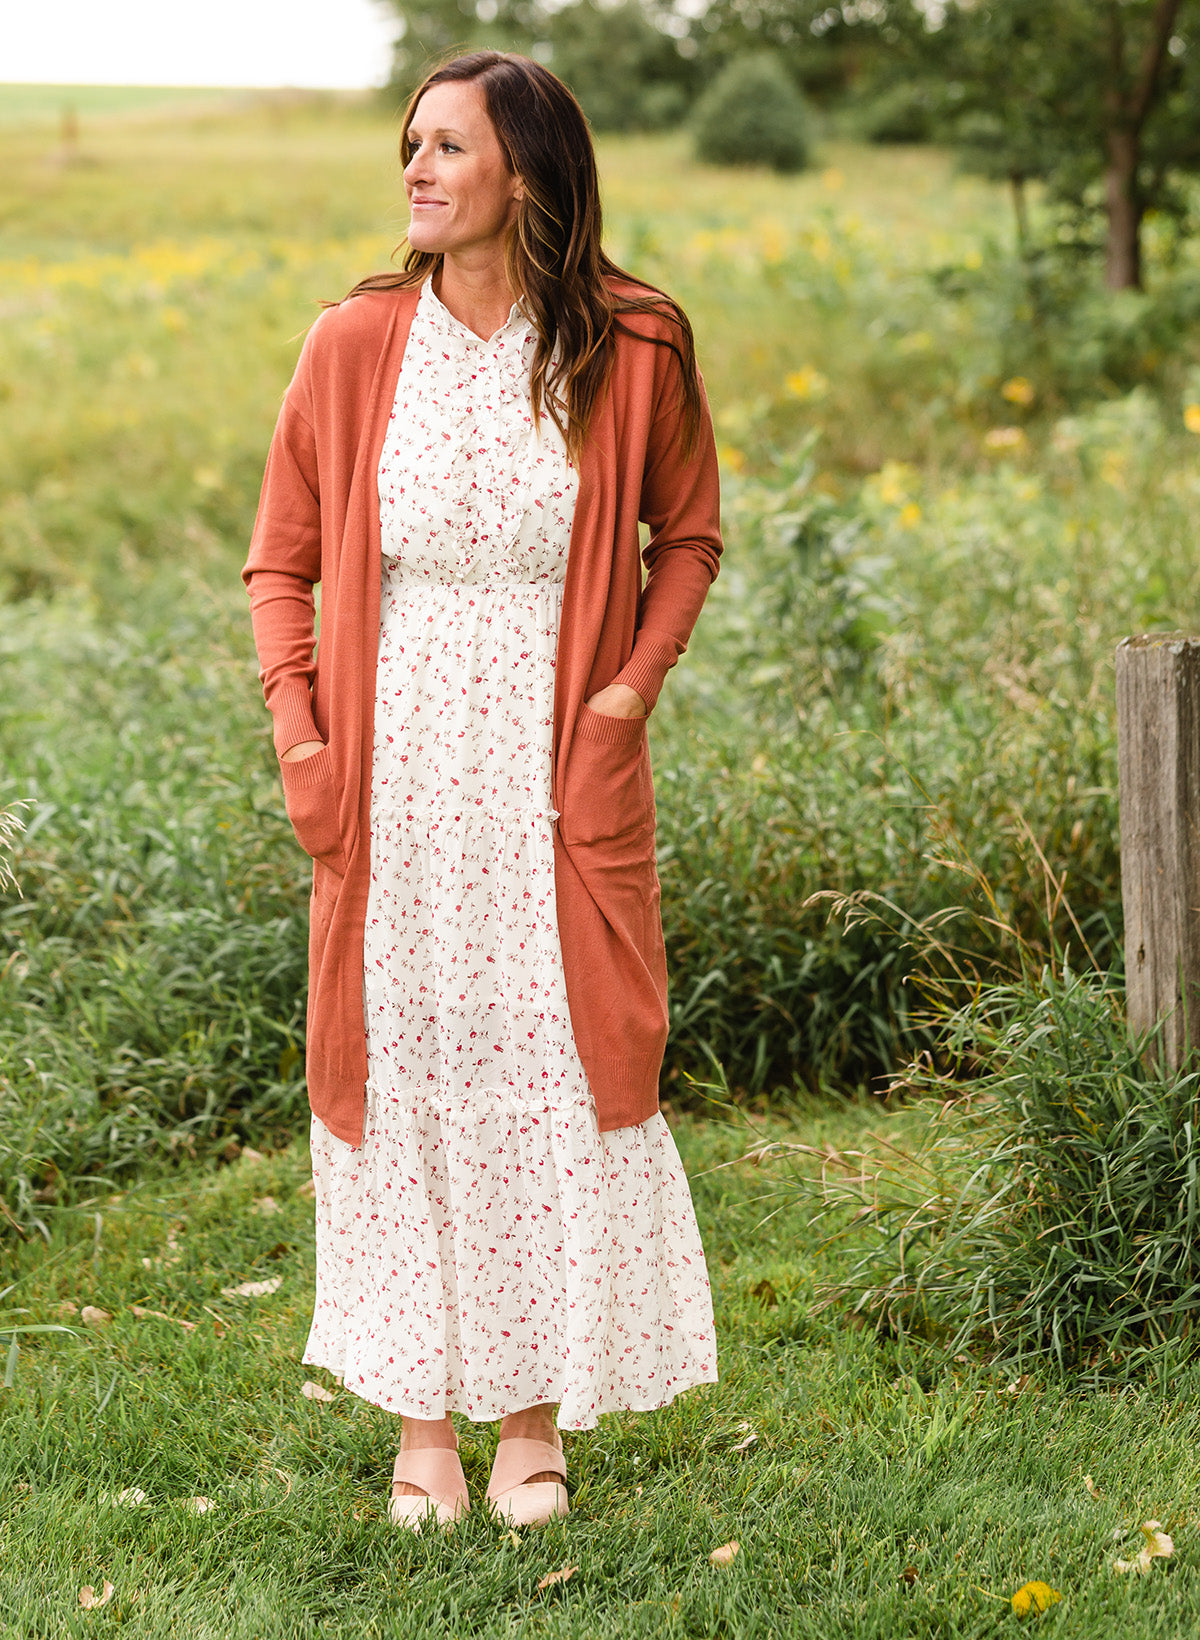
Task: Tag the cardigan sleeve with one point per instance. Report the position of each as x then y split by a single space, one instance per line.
680 501
284 564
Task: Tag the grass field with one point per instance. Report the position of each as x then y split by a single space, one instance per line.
42 105
940 520
875 1499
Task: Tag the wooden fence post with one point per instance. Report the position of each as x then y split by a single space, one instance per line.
1158 750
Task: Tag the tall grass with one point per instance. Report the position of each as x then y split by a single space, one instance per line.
1052 1211
903 667
151 990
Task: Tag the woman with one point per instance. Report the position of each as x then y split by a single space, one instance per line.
504 1228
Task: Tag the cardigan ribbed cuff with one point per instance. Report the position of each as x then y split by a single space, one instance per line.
630 1087
654 654
291 709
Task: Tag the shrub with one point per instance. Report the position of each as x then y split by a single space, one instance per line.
752 114
901 113
1054 1211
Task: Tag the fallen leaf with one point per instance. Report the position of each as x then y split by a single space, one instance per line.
88 1598
724 1555
1158 1546
266 1204
253 1289
1034 1597
909 1575
131 1498
308 1188
747 1440
92 1316
67 1308
198 1506
1090 1486
637 1491
317 1392
1017 1385
560 1576
144 1314
249 1154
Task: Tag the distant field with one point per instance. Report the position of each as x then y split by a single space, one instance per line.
44 104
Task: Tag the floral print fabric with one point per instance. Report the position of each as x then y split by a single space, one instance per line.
487 1247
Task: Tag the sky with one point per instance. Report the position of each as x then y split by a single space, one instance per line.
213 42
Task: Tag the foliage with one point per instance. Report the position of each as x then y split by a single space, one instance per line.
661 52
903 112
1053 1211
621 60
627 74
1098 101
152 966
752 114
826 49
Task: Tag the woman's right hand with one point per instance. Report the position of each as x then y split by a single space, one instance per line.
305 748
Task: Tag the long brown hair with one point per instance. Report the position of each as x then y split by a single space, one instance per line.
553 256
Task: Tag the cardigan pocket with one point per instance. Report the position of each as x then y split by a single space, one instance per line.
608 789
311 798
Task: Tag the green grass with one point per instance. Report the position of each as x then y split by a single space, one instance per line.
30 104
873 1502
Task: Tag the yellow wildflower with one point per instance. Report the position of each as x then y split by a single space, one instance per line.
1191 417
1034 1597
1019 390
1005 438
807 383
891 483
909 515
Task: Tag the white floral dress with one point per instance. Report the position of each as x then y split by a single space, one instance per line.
486 1248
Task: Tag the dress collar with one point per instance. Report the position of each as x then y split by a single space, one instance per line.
445 324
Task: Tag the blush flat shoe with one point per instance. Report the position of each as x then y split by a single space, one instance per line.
516 1500
438 1472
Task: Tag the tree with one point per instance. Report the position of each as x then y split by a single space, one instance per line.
825 48
430 29
627 73
1098 98
621 58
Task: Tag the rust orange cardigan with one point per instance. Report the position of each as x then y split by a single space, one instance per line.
318 521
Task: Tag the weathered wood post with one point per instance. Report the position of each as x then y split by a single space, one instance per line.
1158 749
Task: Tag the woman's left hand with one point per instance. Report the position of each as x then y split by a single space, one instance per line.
618 700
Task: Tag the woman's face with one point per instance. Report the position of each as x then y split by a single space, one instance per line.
461 194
